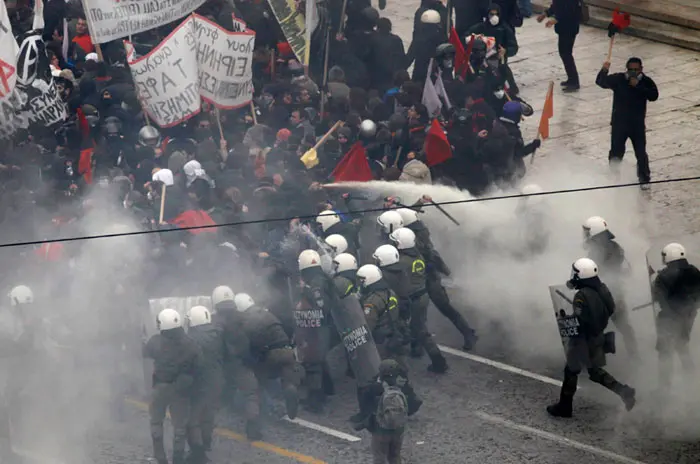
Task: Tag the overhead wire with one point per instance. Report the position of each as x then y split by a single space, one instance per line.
362 211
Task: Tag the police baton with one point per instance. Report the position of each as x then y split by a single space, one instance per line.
642 306
448 215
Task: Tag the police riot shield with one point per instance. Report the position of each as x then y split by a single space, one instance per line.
575 347
149 327
312 334
362 354
691 243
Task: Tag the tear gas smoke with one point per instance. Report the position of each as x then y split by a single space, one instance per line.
501 278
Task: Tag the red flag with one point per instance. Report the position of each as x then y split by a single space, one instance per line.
437 147
194 218
354 166
461 57
620 21
85 164
547 113
83 123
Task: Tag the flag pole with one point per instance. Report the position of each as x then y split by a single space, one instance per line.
550 91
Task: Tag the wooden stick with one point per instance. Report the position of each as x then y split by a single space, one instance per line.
252 110
398 155
327 135
341 29
162 204
610 48
273 62
222 148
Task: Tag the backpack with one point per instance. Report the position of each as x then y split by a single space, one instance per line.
392 411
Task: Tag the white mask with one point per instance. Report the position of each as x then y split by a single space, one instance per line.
499 94
494 20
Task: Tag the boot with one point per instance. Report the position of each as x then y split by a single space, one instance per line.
315 400
327 382
469 341
206 442
628 395
291 400
197 455
564 408
416 351
179 457
159 450
438 366
252 430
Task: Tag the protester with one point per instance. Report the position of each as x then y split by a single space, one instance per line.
565 16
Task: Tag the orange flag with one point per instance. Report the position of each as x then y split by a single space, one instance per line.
547 113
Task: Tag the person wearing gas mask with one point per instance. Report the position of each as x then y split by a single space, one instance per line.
312 333
676 289
238 360
271 348
209 386
506 43
405 274
426 39
593 305
177 365
631 92
390 332
435 266
602 248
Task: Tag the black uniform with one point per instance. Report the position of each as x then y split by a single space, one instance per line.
422 49
350 232
628 117
593 305
176 367
568 15
610 258
437 293
676 288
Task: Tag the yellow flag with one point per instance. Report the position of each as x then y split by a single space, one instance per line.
310 159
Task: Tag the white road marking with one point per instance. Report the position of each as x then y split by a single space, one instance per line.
323 429
35 456
557 438
500 365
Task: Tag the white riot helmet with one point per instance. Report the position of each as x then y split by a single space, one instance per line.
593 226
368 128
408 215
309 258
386 255
531 189
583 268
168 319
337 242
672 252
327 219
220 294
389 221
430 17
243 302
344 262
368 275
198 315
20 295
403 238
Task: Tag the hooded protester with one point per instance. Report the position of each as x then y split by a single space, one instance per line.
389 56
429 36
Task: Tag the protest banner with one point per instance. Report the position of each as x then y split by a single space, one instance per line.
115 19
167 78
293 25
225 65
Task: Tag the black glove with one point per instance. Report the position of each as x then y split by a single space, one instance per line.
536 143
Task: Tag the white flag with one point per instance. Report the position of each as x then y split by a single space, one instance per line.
38 15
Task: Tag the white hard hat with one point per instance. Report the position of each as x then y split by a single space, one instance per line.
430 17
672 252
243 302
593 226
368 128
309 258
403 238
368 274
408 215
327 219
198 315
389 221
386 255
344 262
168 319
21 294
337 242
583 268
220 294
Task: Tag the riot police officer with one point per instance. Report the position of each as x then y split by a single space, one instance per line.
405 274
312 333
238 361
177 364
209 385
593 305
610 257
339 245
388 222
676 289
436 266
271 349
331 224
390 332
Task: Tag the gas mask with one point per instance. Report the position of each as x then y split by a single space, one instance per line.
494 19
499 94
447 64
633 73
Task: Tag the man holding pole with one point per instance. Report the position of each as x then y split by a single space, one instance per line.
631 92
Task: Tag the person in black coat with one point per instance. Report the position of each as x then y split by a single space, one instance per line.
565 16
388 54
631 92
422 49
469 13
